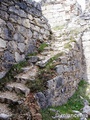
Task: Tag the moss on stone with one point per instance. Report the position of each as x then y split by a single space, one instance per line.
32 54
50 64
42 46
72 39
67 45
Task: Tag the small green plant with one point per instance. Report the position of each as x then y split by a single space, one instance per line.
42 46
47 114
72 39
50 64
19 66
37 85
67 46
40 83
32 54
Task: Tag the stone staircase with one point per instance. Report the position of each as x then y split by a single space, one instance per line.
14 103
15 94
11 100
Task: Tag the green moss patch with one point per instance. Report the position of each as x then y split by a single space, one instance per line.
42 46
51 64
67 46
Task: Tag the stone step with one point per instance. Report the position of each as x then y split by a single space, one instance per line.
43 63
48 48
45 53
18 88
5 113
9 97
27 75
46 59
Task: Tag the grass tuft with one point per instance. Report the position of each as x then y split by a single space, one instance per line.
42 46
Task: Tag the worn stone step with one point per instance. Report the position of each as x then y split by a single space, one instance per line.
27 68
5 112
48 48
9 97
27 75
18 87
45 53
43 63
46 59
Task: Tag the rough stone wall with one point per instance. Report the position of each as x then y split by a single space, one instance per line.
57 12
22 25
68 73
86 52
69 70
76 64
62 11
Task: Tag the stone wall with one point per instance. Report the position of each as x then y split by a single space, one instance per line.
57 12
22 25
75 65
86 52
62 11
68 70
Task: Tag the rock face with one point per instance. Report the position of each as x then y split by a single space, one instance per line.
21 24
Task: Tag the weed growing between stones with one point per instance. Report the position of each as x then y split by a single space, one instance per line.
32 54
51 64
44 74
74 103
72 40
67 46
15 69
42 46
40 83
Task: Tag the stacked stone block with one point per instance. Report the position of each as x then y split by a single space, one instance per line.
21 26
